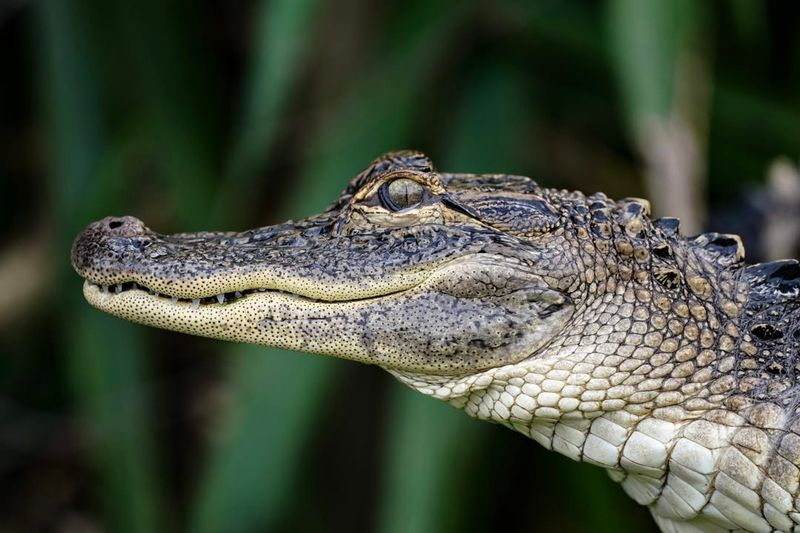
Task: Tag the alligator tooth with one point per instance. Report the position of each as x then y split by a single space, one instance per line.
104 288
220 298
134 285
118 288
238 294
196 303
174 300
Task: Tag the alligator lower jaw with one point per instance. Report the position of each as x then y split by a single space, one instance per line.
232 319
503 313
228 317
260 316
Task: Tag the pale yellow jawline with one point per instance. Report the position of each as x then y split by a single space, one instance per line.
265 318
125 303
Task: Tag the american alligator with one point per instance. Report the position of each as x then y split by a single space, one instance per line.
576 320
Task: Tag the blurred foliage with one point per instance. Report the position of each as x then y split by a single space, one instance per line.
235 114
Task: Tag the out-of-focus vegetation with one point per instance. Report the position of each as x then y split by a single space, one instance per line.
234 114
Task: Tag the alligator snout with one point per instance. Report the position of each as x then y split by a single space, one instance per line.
94 241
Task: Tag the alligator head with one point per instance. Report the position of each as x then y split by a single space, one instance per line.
410 270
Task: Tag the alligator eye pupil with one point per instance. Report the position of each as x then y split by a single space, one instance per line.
401 193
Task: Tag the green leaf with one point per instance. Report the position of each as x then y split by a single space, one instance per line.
491 125
277 397
379 110
105 365
180 108
106 370
646 38
430 449
281 37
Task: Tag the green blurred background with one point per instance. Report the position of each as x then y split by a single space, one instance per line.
212 114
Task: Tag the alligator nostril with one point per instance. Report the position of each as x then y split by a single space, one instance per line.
114 224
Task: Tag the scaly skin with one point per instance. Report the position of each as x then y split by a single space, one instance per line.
575 320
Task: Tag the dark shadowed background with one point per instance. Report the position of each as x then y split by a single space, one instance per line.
225 115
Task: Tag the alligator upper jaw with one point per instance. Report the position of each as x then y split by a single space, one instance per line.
120 254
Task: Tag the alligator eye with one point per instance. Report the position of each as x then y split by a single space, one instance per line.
401 193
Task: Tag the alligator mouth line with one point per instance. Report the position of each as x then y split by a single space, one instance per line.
217 299
227 298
